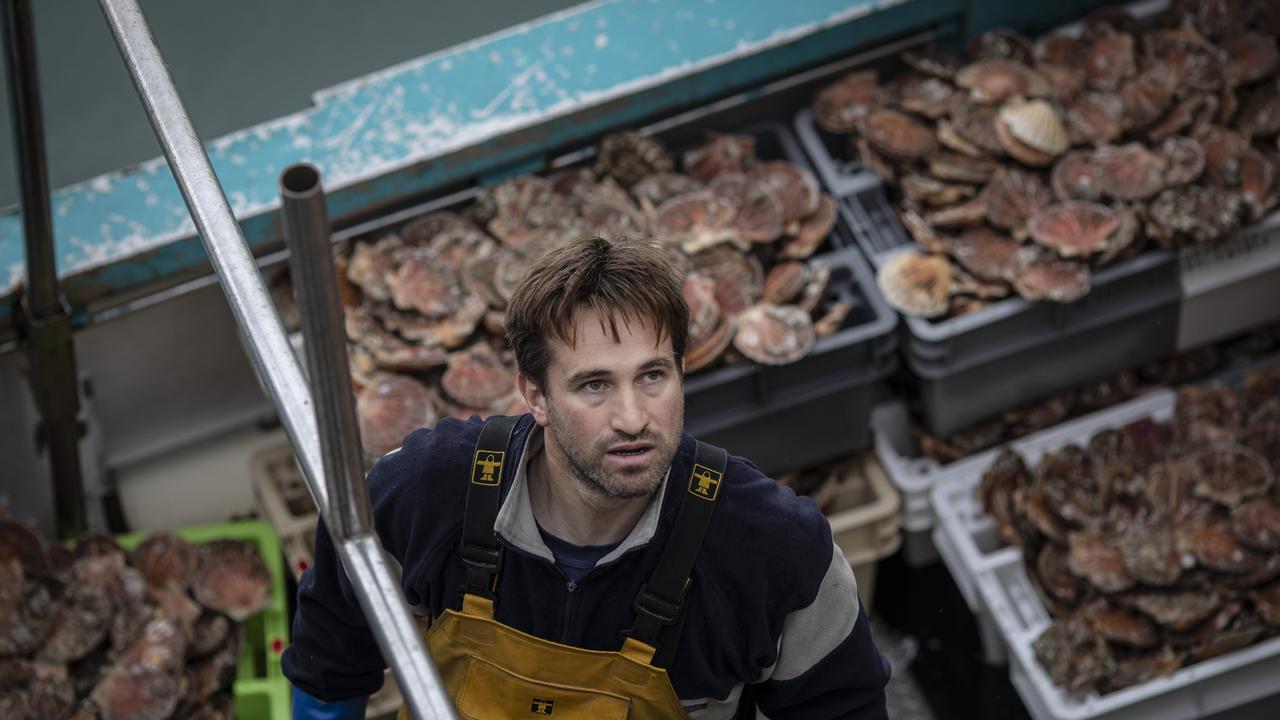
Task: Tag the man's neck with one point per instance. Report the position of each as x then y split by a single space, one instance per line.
568 509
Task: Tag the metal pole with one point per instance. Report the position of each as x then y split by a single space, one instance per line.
273 358
306 232
398 637
260 327
54 382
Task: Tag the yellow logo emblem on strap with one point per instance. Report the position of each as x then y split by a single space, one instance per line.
705 482
487 468
542 707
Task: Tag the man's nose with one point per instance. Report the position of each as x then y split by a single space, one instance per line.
630 416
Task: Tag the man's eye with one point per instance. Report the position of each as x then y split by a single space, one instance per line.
593 385
653 376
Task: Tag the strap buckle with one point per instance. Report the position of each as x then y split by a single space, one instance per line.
661 611
481 565
481 558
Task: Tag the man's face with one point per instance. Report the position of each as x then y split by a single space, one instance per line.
613 409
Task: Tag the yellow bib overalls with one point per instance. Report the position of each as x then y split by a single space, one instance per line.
494 672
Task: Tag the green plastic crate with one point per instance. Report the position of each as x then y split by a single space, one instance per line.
261 690
263 699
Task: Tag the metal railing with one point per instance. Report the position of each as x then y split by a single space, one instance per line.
326 446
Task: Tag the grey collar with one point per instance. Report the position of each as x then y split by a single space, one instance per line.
516 525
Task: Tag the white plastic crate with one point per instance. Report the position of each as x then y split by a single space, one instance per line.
1206 688
912 474
965 535
1011 615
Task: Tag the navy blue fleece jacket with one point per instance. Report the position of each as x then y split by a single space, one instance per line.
772 616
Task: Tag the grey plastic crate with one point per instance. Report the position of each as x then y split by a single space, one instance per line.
781 417
1230 286
816 409
978 365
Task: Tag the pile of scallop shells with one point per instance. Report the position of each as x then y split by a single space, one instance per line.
100 633
1032 417
425 305
1157 544
1035 163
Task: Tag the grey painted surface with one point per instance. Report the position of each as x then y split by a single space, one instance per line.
235 62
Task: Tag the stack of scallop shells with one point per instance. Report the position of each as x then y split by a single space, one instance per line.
1157 544
1035 163
425 305
100 633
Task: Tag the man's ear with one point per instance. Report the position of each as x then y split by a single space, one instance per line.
534 397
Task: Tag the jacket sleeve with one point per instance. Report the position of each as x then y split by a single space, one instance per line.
827 663
333 655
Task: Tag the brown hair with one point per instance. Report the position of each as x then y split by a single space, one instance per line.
630 279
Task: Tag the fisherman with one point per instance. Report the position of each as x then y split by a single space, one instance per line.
589 559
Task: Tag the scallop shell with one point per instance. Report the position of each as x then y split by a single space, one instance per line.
425 283
1021 151
707 350
390 409
1002 44
957 167
476 377
231 578
1147 95
370 264
719 154
774 334
1184 158
988 254
1072 177
813 231
1095 118
928 96
629 156
1108 56
899 135
704 313
1013 196
695 221
739 278
795 187
165 560
1055 280
783 282
841 107
1074 228
1230 474
916 284
994 81
1037 124
1129 172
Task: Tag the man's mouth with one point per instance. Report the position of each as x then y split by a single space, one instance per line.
627 450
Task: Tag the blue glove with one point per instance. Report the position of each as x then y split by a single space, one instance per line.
306 707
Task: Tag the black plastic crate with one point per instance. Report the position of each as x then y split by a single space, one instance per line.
1015 351
781 417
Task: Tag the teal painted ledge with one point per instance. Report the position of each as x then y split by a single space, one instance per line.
450 117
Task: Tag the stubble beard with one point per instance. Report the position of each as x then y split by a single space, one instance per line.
587 464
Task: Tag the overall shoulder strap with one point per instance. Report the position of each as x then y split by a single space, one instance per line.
481 554
660 601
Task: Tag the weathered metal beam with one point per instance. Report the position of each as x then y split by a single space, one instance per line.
463 113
